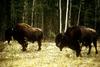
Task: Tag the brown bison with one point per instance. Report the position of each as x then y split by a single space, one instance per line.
76 35
23 32
62 41
88 36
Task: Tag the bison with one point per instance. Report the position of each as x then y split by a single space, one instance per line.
88 37
23 32
76 35
62 41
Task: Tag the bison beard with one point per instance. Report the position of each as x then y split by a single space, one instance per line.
24 32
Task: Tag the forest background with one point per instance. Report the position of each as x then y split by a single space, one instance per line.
49 15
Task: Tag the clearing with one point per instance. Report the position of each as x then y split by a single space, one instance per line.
50 56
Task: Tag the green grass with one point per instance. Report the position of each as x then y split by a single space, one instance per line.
49 56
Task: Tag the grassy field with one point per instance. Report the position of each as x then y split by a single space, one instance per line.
50 56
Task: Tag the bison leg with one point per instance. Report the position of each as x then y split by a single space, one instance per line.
89 48
95 45
9 41
23 44
78 52
39 45
77 48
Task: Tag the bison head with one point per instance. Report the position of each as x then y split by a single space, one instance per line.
61 41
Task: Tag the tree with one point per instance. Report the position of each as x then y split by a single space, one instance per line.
5 17
32 21
79 14
52 16
70 10
66 20
60 13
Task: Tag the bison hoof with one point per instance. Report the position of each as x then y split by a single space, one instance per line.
23 49
78 54
39 49
96 52
88 53
60 49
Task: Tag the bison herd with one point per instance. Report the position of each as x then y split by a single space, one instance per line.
74 38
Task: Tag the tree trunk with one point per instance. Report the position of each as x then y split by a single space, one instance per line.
66 20
25 12
60 11
96 8
78 20
69 21
42 20
5 17
32 21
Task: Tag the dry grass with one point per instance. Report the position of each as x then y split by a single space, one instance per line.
49 56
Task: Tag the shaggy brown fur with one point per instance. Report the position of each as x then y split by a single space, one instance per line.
76 35
67 40
23 32
88 36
